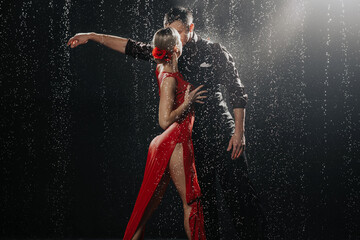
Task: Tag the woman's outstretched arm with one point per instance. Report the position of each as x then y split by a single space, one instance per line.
113 42
167 114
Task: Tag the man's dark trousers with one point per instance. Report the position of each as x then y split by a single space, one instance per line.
212 160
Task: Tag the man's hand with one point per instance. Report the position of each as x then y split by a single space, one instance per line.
237 143
79 39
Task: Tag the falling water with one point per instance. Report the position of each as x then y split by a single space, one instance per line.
352 181
303 211
77 122
59 120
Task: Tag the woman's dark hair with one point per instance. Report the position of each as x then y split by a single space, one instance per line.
166 39
178 14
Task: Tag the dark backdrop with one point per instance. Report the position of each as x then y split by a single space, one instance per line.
76 123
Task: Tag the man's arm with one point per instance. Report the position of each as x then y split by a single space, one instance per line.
238 99
138 50
229 77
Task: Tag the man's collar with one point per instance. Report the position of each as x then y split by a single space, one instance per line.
191 44
194 38
190 48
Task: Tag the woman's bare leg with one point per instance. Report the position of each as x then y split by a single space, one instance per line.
153 204
177 173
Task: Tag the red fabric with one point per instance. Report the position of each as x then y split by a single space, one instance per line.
160 151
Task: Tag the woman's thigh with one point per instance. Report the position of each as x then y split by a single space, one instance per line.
177 171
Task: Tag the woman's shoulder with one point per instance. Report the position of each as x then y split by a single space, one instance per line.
163 75
167 80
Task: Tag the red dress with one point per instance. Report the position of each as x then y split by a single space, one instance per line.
160 151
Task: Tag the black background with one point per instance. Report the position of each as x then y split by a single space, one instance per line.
76 123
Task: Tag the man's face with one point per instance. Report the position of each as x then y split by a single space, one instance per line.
184 32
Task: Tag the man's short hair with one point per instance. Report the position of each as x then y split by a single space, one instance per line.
178 14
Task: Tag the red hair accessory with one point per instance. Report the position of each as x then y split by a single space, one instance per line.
161 54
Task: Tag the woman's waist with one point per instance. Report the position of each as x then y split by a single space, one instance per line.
181 127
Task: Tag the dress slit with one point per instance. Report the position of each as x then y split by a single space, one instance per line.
158 158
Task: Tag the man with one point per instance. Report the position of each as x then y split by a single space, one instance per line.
218 139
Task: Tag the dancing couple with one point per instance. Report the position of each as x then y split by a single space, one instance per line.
185 60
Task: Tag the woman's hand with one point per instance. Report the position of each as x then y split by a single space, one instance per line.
79 39
195 95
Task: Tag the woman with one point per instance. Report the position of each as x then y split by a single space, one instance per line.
171 153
